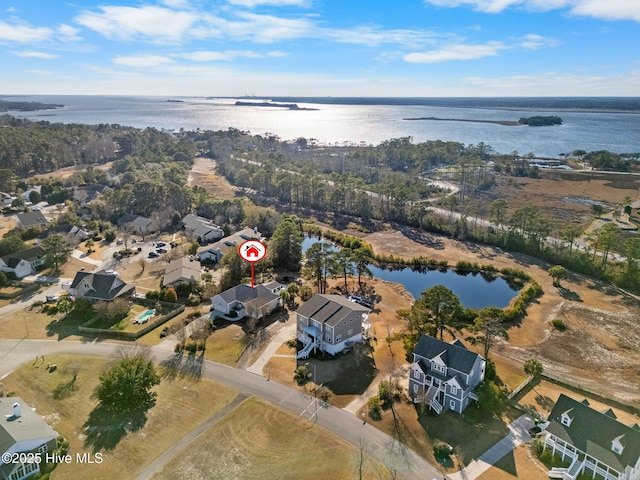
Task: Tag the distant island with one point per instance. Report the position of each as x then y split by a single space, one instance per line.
290 106
176 101
5 106
530 121
540 121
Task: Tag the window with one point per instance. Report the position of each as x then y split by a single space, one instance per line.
338 338
566 420
454 390
438 368
42 448
416 374
415 388
452 404
327 338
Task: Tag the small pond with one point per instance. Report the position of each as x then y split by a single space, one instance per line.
473 290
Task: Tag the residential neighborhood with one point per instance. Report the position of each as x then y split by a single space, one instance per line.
399 322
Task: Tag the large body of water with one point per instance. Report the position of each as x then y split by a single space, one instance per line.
354 124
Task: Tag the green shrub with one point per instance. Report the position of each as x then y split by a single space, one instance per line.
375 411
559 324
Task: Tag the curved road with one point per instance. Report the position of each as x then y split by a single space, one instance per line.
394 455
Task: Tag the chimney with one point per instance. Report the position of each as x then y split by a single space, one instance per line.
17 411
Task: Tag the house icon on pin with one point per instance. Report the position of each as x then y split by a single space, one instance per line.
252 251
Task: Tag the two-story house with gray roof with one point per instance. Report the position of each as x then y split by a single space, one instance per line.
22 431
330 323
219 249
443 375
100 286
595 443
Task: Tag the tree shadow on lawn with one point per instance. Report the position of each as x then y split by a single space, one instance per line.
105 428
189 366
569 294
471 433
349 377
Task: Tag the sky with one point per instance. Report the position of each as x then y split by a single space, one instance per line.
400 48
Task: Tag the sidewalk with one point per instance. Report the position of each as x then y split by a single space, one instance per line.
518 434
286 333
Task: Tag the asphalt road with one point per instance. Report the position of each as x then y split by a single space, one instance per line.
397 457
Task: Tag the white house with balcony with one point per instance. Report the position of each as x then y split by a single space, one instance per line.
593 442
443 375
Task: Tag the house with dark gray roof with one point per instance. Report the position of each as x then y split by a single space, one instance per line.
31 219
595 443
22 431
443 375
242 301
330 323
85 194
100 286
23 263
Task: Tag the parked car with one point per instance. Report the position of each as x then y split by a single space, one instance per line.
161 244
161 250
153 255
51 298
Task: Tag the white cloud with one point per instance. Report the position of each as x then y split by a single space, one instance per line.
67 33
455 52
127 23
45 56
141 61
273 3
22 33
175 3
270 29
609 9
604 9
534 42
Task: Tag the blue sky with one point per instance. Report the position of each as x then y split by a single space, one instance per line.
320 47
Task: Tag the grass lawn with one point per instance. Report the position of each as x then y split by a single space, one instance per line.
181 406
470 434
516 464
225 345
260 440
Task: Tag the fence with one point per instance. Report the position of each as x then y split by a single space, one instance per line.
26 288
86 328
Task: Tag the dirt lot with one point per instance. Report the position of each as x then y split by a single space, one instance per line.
520 463
6 224
203 174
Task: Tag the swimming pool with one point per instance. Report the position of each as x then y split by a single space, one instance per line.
145 316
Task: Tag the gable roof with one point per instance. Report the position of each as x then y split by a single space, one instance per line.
32 219
232 241
246 294
330 309
29 255
180 269
30 426
593 432
454 355
104 286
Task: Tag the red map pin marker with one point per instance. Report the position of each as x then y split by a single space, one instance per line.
252 251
